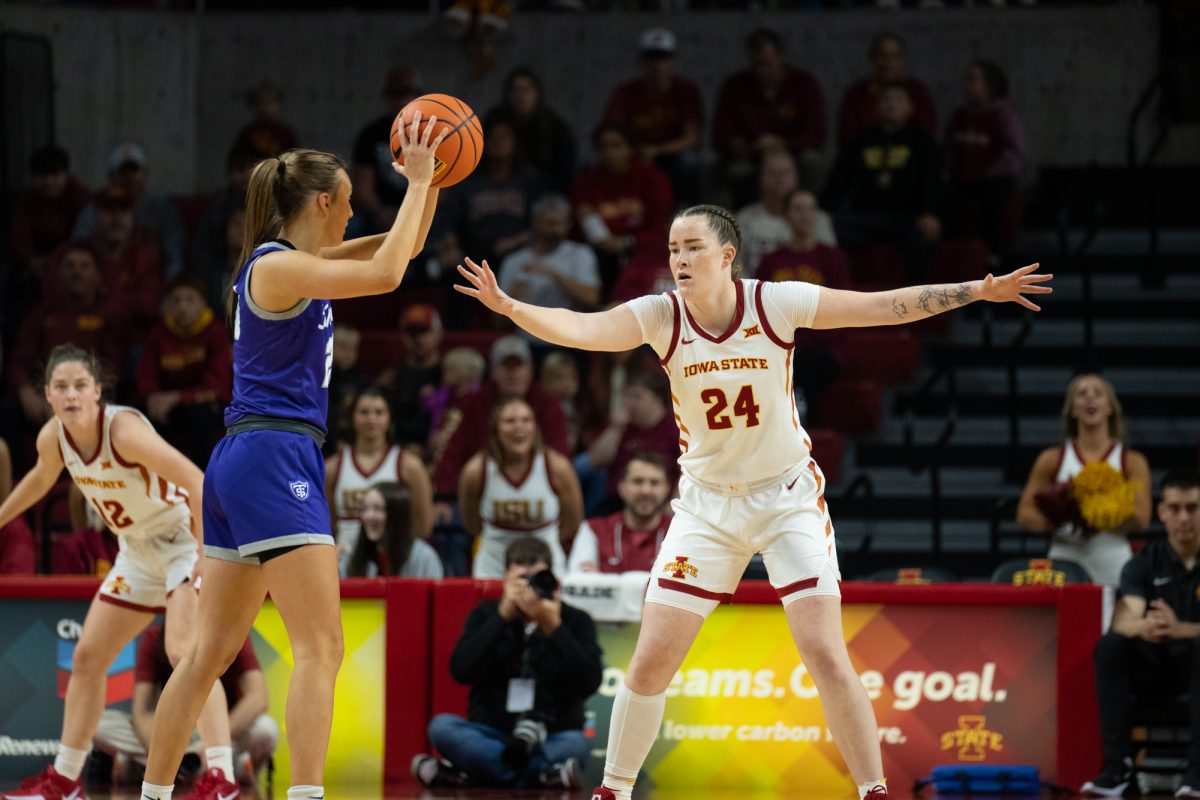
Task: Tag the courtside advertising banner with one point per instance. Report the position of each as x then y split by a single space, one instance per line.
949 685
37 641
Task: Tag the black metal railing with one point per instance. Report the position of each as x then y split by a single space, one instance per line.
1143 170
1074 258
930 457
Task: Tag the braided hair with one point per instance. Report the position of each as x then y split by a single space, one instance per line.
724 224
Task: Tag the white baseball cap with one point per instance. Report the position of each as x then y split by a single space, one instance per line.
657 40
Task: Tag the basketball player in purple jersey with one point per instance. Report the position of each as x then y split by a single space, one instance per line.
267 525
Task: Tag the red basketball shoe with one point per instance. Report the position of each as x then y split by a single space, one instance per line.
603 793
213 786
47 785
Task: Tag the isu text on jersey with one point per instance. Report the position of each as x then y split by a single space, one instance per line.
733 392
133 501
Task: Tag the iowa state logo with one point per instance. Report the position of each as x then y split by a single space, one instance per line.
680 567
973 739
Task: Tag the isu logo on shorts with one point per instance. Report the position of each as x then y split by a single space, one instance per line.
973 739
300 489
118 585
680 567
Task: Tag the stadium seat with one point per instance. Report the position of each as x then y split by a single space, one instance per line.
913 576
1040 572
887 355
852 406
828 448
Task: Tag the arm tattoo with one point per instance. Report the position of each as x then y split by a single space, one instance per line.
923 299
942 297
962 295
900 309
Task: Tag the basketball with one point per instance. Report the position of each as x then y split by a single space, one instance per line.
459 153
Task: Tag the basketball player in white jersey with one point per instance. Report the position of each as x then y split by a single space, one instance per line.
1093 430
518 487
372 459
148 494
749 483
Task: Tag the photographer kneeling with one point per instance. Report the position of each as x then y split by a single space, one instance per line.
530 661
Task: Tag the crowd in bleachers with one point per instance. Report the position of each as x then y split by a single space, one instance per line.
140 278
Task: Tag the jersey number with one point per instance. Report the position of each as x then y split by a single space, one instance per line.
743 406
113 514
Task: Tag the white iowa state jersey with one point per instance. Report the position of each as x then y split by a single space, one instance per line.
528 506
352 482
133 501
732 393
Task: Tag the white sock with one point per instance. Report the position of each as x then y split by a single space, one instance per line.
69 762
631 733
305 792
152 791
220 758
864 788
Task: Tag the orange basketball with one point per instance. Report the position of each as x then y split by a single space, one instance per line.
459 152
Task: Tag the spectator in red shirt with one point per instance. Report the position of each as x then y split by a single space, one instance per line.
45 211
254 733
642 422
76 313
623 204
628 540
889 64
130 264
512 376
770 104
544 139
267 135
818 355
185 373
664 114
16 540
985 154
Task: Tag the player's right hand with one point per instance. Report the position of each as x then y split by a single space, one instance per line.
418 149
484 287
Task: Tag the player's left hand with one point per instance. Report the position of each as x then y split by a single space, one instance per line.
484 287
1013 287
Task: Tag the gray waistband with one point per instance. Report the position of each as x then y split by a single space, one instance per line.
256 422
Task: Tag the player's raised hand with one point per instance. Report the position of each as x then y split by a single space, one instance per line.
418 147
1013 287
483 286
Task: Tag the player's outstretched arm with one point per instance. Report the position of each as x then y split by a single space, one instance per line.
364 248
40 479
846 309
614 330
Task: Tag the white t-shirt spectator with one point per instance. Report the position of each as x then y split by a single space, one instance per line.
763 233
519 279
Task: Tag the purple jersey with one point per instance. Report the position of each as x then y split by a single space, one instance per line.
281 360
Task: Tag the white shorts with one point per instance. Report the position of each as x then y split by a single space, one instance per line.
713 536
148 570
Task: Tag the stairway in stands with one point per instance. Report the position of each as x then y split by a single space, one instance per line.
1146 341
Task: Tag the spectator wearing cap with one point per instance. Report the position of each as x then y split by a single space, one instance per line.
623 204
552 270
131 266
511 364
266 134
46 210
153 213
213 254
345 382
378 189
544 139
185 372
767 105
417 377
664 114
76 313
889 64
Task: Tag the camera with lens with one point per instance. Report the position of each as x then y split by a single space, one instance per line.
544 584
527 734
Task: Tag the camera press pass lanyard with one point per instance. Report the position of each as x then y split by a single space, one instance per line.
521 690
